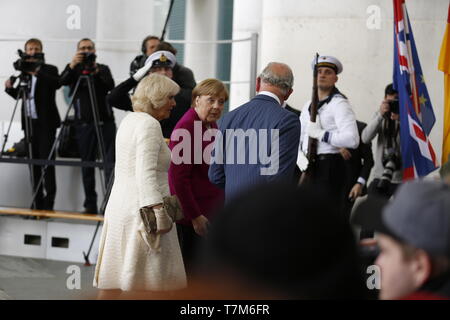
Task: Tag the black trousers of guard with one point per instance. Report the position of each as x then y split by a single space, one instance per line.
329 176
89 149
42 140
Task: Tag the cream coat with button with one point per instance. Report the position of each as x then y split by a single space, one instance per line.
125 261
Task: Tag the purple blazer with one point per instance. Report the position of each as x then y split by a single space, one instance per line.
189 181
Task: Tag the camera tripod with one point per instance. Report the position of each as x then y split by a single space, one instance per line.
23 94
105 185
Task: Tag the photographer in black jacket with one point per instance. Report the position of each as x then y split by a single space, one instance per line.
42 83
84 63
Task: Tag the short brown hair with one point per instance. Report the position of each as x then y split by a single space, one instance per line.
165 46
209 87
33 40
85 39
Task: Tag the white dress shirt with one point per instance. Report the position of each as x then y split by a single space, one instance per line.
270 94
31 105
338 119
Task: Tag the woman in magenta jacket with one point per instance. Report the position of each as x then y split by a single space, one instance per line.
188 172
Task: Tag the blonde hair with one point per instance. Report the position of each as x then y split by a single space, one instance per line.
152 92
209 87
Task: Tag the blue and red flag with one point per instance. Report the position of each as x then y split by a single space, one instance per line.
416 113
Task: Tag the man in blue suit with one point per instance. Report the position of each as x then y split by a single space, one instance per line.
258 140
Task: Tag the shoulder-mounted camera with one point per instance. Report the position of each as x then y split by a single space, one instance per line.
28 63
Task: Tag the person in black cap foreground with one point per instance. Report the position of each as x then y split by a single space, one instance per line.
280 242
414 239
161 62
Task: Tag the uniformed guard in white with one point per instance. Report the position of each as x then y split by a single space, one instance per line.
335 128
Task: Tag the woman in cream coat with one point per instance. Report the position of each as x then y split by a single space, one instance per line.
126 261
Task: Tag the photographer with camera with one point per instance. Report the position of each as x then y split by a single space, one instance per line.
84 64
388 164
40 82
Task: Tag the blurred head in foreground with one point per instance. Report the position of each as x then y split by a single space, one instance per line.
280 242
414 238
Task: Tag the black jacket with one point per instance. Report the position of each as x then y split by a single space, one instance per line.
297 172
361 162
103 82
47 83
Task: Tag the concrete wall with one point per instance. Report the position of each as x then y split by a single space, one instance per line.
294 30
358 32
247 15
60 24
201 17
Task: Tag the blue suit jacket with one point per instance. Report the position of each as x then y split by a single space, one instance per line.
239 165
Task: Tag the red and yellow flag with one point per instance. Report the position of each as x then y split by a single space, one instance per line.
444 66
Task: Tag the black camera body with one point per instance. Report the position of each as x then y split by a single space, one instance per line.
394 106
391 163
88 63
24 64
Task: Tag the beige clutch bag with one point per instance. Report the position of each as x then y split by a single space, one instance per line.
173 208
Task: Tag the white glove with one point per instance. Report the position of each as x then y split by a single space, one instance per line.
314 129
142 72
163 220
302 161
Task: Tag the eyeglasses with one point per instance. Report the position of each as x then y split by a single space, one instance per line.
86 48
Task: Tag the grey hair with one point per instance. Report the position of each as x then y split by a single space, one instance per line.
152 92
284 81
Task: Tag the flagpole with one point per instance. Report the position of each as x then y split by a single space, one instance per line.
411 64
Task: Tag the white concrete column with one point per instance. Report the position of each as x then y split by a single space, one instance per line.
201 24
246 20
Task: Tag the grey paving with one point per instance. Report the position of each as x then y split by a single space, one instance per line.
39 279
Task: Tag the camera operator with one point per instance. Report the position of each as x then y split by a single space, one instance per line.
84 63
41 82
388 166
149 45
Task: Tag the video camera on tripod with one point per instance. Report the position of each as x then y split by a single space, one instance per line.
28 63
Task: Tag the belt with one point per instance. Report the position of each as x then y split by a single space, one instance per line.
328 156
